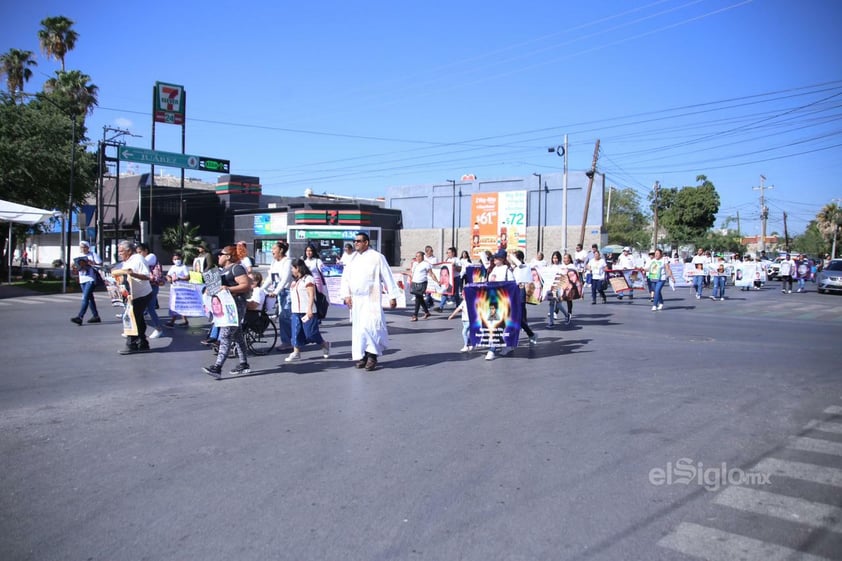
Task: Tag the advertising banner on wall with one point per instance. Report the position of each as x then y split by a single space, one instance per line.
499 222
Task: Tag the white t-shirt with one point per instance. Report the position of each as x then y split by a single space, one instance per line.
625 261
258 296
179 272
597 268
420 271
137 264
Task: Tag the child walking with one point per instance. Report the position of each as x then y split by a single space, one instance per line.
466 324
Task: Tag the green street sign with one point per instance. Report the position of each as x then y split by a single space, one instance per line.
158 158
173 159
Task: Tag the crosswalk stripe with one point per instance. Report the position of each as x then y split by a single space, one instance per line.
833 410
33 300
799 470
5 304
824 426
816 515
716 545
816 445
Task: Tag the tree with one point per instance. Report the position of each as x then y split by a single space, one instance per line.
15 65
171 239
829 221
35 146
812 242
72 90
688 213
57 37
627 224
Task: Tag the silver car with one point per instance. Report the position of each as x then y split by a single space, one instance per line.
831 277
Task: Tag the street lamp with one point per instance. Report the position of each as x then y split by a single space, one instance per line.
538 245
453 217
561 151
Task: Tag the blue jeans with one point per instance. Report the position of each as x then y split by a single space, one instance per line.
657 287
285 316
304 332
154 321
719 287
88 300
801 282
466 332
699 283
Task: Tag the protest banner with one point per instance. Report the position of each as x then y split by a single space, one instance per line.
186 299
494 313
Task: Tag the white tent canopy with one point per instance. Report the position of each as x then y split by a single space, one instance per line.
20 214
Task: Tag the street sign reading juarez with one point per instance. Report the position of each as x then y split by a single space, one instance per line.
173 159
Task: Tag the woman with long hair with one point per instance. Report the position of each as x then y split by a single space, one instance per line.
235 280
305 322
657 271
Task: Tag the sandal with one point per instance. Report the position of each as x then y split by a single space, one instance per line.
413 318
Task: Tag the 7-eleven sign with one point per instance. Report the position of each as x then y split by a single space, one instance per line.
168 103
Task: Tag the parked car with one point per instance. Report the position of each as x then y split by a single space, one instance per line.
830 279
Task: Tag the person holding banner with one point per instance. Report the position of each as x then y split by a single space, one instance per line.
500 272
420 271
136 271
178 272
361 290
596 270
236 282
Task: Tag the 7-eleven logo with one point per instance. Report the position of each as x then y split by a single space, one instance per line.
169 97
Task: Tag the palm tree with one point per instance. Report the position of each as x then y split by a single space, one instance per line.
14 64
828 221
57 38
73 91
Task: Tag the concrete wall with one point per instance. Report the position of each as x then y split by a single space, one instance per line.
440 239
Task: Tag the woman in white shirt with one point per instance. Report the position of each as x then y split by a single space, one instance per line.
277 286
305 322
421 271
596 267
311 259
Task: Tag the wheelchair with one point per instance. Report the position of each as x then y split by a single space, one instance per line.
259 332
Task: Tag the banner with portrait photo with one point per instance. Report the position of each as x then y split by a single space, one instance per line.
223 309
636 279
680 272
494 313
129 322
444 286
744 274
475 274
617 280
535 287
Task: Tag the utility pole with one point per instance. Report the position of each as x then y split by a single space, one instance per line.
656 187
538 247
739 231
764 213
835 227
591 173
453 212
786 235
608 213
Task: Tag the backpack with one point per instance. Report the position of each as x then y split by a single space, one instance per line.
322 305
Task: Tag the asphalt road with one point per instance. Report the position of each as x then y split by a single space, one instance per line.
578 448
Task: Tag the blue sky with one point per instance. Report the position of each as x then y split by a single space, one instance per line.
351 98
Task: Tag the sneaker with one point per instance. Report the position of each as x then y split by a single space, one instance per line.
213 370
783 291
465 349
713 298
555 315
490 355
326 349
207 342
133 350
722 299
155 334
506 351
654 308
789 292
568 319
293 356
242 368
799 290
533 340
78 321
698 296
619 297
660 307
95 319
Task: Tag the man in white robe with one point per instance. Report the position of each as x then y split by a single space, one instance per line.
360 288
